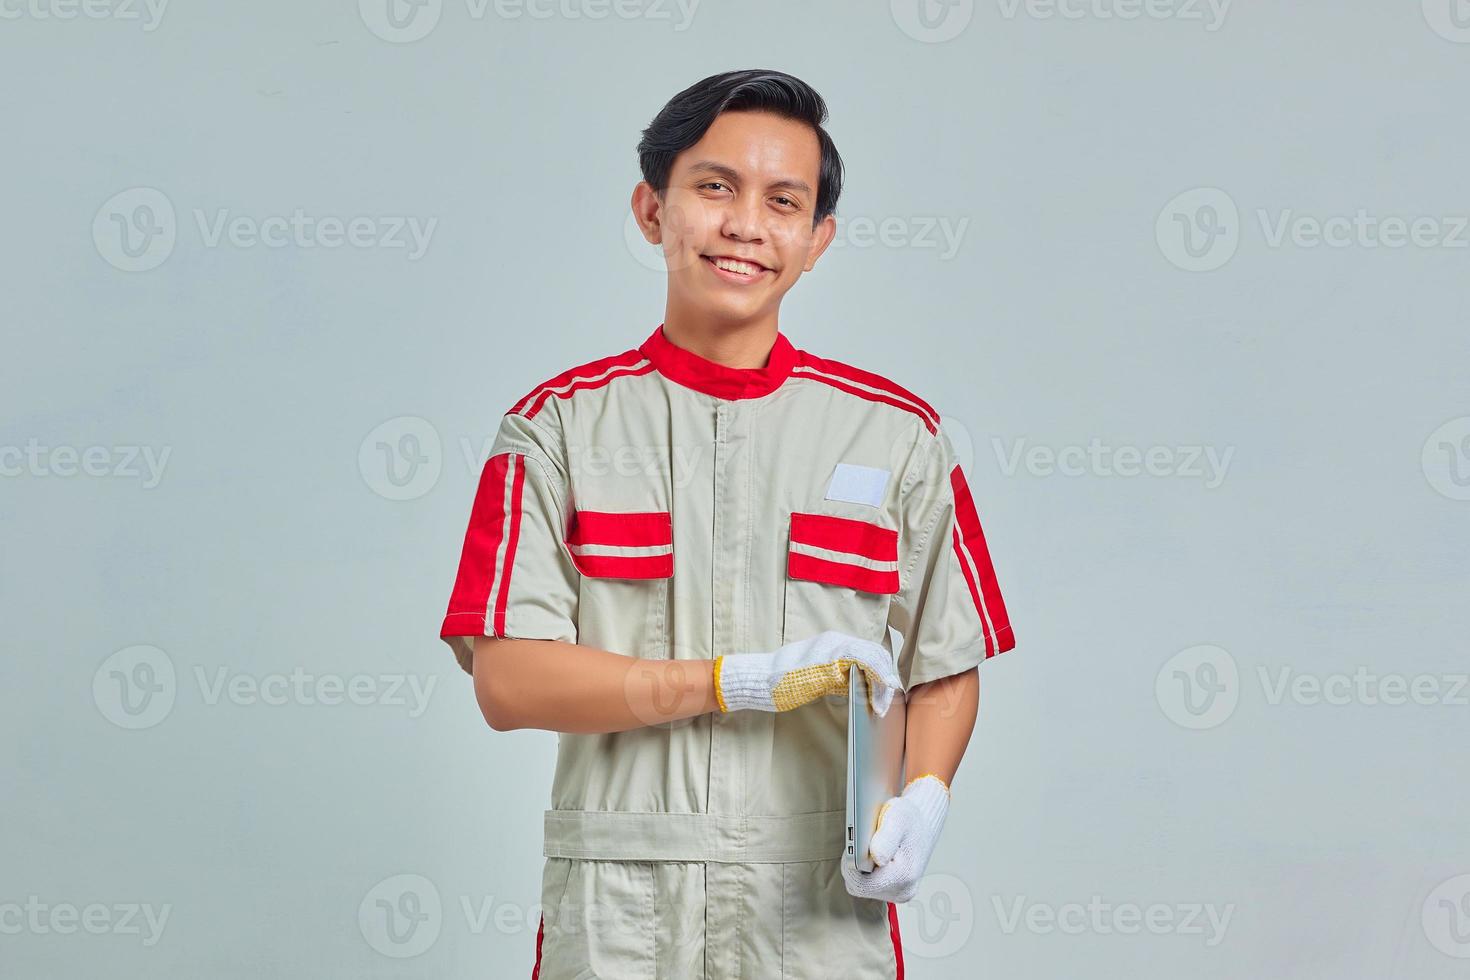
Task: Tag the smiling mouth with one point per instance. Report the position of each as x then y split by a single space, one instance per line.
735 270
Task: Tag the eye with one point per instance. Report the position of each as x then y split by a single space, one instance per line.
713 183
788 201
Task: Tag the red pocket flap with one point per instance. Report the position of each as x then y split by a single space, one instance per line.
622 544
843 551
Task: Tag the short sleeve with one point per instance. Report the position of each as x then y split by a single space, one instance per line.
948 609
515 575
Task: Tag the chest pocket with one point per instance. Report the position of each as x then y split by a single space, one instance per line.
627 563
840 575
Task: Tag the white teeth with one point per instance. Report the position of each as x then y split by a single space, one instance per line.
730 265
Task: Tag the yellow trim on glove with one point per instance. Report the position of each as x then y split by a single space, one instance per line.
936 776
719 697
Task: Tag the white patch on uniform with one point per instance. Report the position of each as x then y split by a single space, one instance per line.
858 484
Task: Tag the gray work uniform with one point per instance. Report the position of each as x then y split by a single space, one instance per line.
664 506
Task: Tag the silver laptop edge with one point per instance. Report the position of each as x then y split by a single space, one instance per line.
875 751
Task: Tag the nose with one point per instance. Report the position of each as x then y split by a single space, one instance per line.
744 219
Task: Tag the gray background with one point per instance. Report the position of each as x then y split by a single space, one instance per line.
1134 750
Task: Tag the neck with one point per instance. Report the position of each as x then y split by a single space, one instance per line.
744 344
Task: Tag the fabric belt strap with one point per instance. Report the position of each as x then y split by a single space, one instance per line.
619 835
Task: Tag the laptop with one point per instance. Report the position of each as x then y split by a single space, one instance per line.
875 749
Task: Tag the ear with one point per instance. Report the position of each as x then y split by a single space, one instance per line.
646 211
822 236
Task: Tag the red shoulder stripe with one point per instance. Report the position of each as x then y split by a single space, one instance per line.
501 601
470 612
869 396
593 374
869 378
974 559
586 385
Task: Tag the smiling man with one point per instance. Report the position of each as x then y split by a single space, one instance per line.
738 218
685 626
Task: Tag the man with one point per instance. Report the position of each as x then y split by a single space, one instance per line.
675 552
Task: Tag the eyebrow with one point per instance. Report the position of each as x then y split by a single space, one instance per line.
711 166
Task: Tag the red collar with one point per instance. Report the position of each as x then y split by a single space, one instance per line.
720 380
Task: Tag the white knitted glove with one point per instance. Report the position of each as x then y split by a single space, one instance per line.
803 671
908 829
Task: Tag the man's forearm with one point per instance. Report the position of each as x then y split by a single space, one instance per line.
569 687
941 716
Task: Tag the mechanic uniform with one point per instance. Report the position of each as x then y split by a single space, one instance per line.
661 505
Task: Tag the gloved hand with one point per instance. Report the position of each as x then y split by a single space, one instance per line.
804 670
908 829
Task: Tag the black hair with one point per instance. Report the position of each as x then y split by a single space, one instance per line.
686 117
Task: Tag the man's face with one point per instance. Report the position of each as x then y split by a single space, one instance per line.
746 191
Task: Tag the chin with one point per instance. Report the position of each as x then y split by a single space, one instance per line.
735 305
